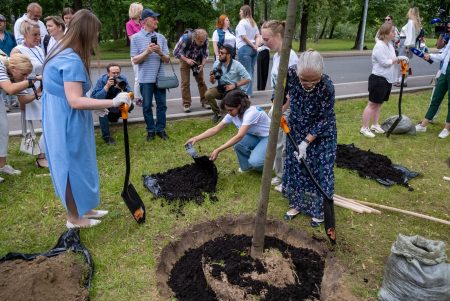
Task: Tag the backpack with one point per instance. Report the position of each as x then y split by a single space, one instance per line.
187 37
45 43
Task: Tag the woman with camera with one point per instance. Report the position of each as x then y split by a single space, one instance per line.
31 104
68 124
253 125
13 79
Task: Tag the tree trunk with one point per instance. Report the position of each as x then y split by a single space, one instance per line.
179 28
261 215
77 4
330 36
323 29
316 36
304 27
266 15
246 2
359 30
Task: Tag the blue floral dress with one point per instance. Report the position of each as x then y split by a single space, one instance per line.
311 113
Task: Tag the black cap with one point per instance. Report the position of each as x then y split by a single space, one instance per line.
148 13
229 48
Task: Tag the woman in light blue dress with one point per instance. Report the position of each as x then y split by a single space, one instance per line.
67 121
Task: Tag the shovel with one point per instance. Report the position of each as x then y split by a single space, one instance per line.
328 207
404 68
129 194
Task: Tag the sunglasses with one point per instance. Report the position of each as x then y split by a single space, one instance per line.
387 19
222 52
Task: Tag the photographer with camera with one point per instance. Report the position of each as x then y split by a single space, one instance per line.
192 51
229 74
107 87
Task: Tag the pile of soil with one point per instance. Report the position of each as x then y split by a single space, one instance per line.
186 183
228 258
44 278
372 165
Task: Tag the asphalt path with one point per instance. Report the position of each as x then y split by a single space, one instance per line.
349 74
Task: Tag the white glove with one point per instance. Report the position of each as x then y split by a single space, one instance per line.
261 48
121 98
302 150
403 58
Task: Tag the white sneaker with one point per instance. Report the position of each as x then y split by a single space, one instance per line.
366 132
377 128
279 188
444 133
7 169
275 181
420 128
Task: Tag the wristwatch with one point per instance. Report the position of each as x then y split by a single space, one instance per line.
235 85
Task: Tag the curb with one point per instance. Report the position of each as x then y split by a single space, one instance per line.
177 116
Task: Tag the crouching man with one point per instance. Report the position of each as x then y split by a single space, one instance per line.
107 87
229 74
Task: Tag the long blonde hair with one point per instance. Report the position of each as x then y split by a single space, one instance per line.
82 37
135 10
247 12
413 14
275 27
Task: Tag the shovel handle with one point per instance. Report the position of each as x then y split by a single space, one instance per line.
124 110
284 125
404 66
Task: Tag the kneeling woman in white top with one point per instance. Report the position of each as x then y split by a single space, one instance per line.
253 124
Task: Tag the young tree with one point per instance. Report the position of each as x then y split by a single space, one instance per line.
261 216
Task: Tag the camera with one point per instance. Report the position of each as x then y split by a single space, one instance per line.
217 73
119 83
154 40
195 70
441 22
221 89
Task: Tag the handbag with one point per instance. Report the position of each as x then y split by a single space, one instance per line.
29 144
167 82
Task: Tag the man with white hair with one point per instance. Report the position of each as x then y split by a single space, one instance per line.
34 13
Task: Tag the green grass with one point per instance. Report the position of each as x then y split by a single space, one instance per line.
126 254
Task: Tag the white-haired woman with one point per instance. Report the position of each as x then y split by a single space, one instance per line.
31 103
15 69
133 26
313 126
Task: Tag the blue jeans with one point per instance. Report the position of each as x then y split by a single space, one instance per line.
104 126
247 57
251 151
147 92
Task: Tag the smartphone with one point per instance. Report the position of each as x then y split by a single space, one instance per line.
154 40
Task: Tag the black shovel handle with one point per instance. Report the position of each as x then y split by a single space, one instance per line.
404 68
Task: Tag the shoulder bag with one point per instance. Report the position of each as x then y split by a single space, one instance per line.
29 144
167 82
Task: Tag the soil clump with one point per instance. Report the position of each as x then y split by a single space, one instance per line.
186 183
44 278
372 165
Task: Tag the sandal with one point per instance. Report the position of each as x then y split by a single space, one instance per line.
291 214
40 164
315 222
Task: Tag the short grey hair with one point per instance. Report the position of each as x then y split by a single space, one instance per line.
310 60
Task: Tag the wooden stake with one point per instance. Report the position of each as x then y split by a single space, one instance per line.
371 210
427 217
346 205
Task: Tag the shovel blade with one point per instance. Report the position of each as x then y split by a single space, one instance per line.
134 203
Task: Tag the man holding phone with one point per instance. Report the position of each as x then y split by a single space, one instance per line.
149 50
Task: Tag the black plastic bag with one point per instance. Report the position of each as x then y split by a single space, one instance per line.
68 241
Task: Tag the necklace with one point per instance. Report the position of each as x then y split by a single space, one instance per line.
307 90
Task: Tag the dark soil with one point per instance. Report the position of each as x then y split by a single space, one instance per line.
53 278
371 165
187 183
188 282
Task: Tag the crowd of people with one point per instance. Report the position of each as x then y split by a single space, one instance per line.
48 69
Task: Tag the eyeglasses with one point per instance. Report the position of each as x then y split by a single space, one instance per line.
387 19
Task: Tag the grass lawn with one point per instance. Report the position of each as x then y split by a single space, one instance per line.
126 254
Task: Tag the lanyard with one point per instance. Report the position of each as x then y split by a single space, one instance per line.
38 56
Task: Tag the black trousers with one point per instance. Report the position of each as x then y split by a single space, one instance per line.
262 68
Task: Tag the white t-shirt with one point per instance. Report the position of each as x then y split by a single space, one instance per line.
255 117
230 39
244 28
382 57
293 59
410 32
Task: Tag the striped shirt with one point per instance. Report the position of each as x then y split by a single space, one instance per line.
195 52
3 74
150 68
